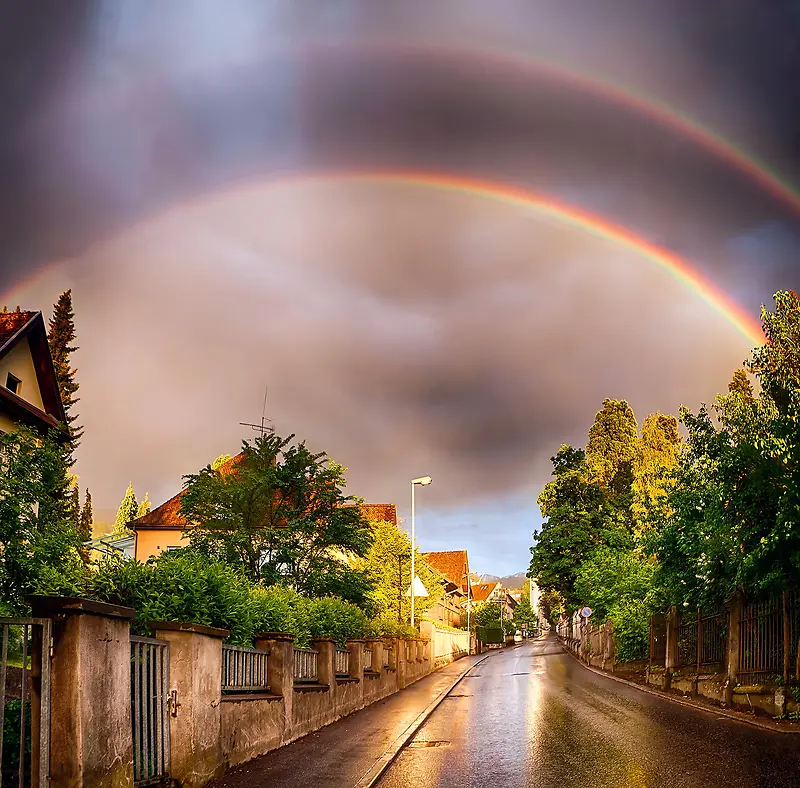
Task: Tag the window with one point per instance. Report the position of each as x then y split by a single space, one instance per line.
13 384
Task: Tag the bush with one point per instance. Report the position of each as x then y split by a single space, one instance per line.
631 623
185 586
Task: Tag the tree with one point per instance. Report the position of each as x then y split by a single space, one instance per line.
144 506
654 467
611 447
551 605
579 517
60 336
38 533
85 526
127 511
387 564
524 614
278 512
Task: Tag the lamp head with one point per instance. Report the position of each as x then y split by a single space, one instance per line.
423 480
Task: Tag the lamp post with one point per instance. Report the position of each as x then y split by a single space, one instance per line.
424 481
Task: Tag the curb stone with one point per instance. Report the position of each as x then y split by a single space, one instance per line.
378 769
764 725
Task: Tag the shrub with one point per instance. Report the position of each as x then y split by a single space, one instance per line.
631 623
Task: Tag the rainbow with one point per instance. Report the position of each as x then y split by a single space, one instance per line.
542 205
618 93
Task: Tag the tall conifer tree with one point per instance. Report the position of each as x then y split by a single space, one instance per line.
61 335
127 512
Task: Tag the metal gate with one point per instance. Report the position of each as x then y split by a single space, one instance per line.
25 652
150 710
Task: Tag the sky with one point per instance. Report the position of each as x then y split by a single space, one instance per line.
203 176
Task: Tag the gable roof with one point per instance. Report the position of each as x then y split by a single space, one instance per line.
482 591
453 564
380 512
14 328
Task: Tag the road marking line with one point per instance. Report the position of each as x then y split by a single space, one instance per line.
378 769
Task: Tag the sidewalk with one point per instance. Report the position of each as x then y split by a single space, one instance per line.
344 752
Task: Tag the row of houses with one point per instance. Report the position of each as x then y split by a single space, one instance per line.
29 396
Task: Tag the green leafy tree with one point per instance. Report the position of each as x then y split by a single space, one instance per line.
223 459
551 605
61 336
524 614
736 504
654 468
127 511
611 447
387 565
37 525
144 506
279 514
579 517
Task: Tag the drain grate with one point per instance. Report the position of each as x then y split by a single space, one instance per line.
419 743
454 695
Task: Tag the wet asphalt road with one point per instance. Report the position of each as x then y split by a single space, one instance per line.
533 716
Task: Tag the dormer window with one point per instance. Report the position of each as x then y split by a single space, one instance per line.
13 384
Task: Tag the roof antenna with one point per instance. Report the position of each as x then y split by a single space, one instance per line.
262 428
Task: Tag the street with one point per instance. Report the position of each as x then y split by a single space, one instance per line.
534 716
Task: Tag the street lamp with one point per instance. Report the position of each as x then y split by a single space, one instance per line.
424 481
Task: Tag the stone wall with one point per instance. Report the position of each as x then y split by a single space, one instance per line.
209 731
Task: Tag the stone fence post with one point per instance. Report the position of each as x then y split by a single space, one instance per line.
671 648
326 665
195 674
355 662
732 656
280 672
90 692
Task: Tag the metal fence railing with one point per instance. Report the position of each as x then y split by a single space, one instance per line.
150 709
306 665
244 669
342 657
687 641
761 640
25 645
713 636
367 659
794 633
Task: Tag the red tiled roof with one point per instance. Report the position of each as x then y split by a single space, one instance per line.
453 564
482 591
11 322
168 515
380 512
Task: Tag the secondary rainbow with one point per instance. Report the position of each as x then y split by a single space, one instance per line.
658 111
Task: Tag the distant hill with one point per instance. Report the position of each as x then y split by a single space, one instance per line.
509 581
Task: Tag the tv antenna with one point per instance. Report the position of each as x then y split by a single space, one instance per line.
262 427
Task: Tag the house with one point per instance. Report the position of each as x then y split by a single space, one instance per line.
494 592
29 394
453 566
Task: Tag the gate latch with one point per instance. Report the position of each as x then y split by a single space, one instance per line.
173 703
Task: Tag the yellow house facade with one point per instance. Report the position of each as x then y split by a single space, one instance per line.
29 394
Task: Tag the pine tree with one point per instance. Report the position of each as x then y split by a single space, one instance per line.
127 511
144 506
85 527
75 501
87 517
60 335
